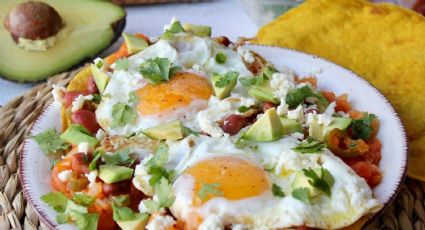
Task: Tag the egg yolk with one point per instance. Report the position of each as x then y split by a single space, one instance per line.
233 178
179 92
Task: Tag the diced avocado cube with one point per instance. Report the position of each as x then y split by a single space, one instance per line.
114 173
267 128
290 126
134 44
100 78
173 130
76 134
198 30
341 123
225 91
137 224
315 130
262 94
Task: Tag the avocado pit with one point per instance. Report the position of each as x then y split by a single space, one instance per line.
33 25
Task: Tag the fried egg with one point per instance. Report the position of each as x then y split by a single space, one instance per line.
243 179
185 94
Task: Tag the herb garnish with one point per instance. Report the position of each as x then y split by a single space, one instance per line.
226 79
50 142
362 128
309 146
277 191
158 70
209 189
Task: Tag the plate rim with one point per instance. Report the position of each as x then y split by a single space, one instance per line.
405 151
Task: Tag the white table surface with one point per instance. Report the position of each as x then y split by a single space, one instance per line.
227 17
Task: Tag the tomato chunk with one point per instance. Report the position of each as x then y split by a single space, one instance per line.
233 124
368 171
80 163
87 119
69 97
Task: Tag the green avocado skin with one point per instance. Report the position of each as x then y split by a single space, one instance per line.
90 26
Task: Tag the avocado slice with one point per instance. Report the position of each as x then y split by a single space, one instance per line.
173 130
290 126
134 44
225 91
76 134
198 30
301 181
267 128
114 173
137 224
262 94
100 78
89 27
341 123
315 130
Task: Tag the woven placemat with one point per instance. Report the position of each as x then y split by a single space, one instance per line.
16 118
145 2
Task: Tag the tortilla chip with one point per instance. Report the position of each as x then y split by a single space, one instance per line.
381 42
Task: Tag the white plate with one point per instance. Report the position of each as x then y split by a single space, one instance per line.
35 167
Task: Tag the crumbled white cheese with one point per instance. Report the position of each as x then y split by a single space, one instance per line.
65 175
282 109
297 114
212 222
100 135
84 147
239 227
91 176
78 103
58 92
326 117
141 179
297 135
246 54
282 83
142 207
160 222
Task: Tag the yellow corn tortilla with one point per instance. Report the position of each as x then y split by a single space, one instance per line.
383 43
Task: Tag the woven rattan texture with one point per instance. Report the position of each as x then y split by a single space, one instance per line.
16 118
142 2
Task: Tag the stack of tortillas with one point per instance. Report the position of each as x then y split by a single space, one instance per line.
383 43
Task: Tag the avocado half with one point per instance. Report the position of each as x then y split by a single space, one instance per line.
90 26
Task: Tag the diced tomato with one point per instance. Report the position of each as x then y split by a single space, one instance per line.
106 221
368 171
342 103
330 96
374 153
342 145
57 184
91 86
233 124
311 80
135 197
87 119
77 183
80 163
118 188
69 97
95 190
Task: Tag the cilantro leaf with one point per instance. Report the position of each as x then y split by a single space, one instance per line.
122 64
220 58
277 191
97 98
309 146
297 96
120 157
187 131
50 142
85 221
362 128
242 109
152 205
175 27
164 192
226 79
122 114
323 182
121 200
93 163
157 173
57 200
209 189
83 199
156 165
122 213
301 194
62 218
157 70
264 76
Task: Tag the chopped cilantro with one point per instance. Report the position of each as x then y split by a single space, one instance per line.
209 189
175 27
122 64
302 194
132 97
121 200
93 163
122 114
226 79
157 70
277 191
187 131
220 58
97 98
161 156
362 128
296 97
323 183
164 192
122 213
83 199
50 142
242 109
120 157
85 221
99 64
260 79
151 205
309 146
56 200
